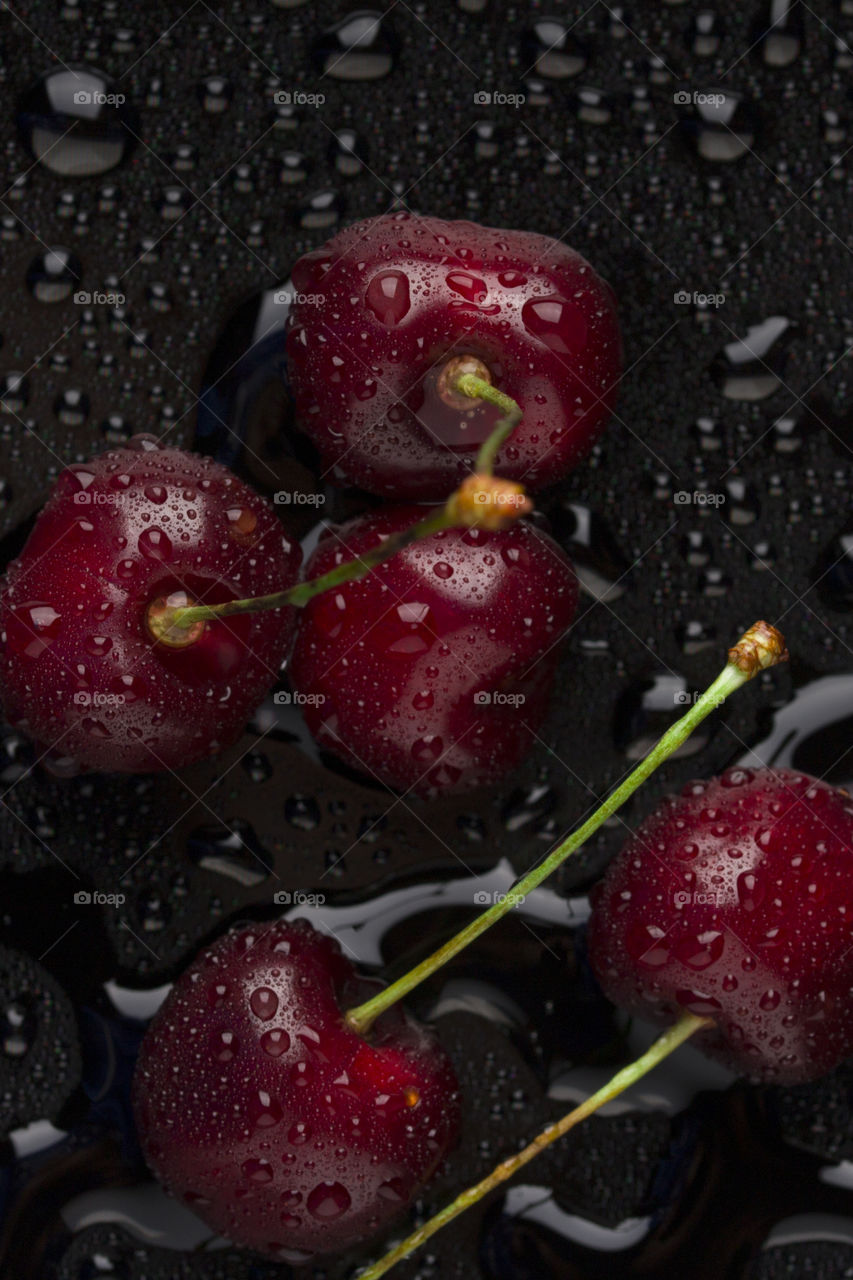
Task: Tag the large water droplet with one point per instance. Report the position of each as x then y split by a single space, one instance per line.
388 297
76 122
264 1003
722 125
328 1200
550 49
557 323
752 368
155 544
362 46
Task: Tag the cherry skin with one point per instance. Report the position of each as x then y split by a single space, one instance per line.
735 901
79 669
280 1127
404 293
434 671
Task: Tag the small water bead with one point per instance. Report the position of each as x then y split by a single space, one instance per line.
54 274
224 1045
706 34
647 945
173 202
302 812
76 123
696 636
265 1111
116 430
294 168
18 1030
72 407
275 1043
14 392
593 106
320 211
347 152
215 94
258 1171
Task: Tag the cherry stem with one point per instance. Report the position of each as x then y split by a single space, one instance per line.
760 647
661 1049
478 389
304 591
481 500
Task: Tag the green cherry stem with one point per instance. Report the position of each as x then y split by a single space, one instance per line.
478 389
465 378
662 1048
482 500
760 647
168 625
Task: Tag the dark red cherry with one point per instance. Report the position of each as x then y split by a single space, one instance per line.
387 301
735 901
79 670
275 1123
434 672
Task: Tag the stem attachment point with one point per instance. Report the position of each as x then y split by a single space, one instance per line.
162 621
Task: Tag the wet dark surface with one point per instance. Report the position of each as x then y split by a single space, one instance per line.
181 211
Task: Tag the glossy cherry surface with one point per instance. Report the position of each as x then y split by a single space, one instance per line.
434 672
400 294
260 1109
735 900
79 671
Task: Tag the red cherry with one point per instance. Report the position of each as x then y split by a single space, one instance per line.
735 901
403 293
79 670
282 1128
433 672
